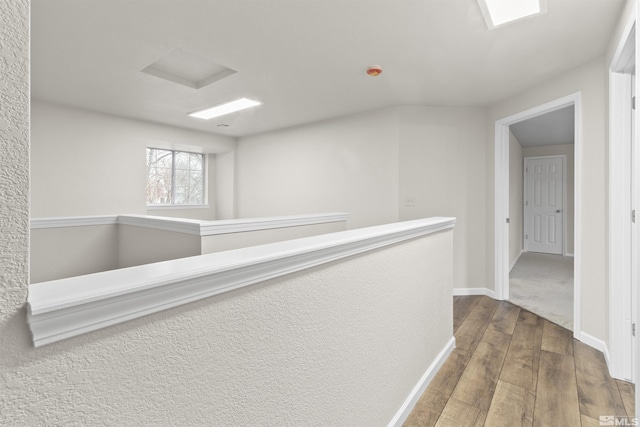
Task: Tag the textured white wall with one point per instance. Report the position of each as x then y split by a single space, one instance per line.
14 200
590 79
85 163
340 345
516 199
344 165
442 166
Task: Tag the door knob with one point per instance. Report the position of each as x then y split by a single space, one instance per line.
558 210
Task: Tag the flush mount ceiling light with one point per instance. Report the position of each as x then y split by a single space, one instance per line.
221 110
500 12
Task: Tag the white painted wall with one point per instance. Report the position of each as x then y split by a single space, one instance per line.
225 185
442 167
338 345
229 241
57 253
85 163
346 165
367 164
555 150
590 80
516 199
140 245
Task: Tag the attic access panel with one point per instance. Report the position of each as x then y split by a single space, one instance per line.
187 69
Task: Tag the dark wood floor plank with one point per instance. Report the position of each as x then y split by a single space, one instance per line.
505 318
479 379
434 399
556 339
521 363
471 330
458 414
427 410
462 306
627 392
597 392
557 394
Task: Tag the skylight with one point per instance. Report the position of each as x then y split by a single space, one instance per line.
501 12
228 108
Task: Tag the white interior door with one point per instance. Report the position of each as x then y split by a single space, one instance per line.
544 204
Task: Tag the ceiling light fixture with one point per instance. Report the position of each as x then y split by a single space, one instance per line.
500 12
228 108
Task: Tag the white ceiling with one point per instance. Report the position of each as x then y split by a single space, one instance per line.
304 59
556 127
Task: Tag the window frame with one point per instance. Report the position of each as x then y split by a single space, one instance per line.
205 186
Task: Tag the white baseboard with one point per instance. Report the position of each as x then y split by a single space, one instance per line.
513 264
421 386
474 291
596 343
569 254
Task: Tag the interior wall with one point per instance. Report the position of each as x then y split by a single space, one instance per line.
348 164
442 169
590 80
14 193
342 344
85 163
225 185
57 253
516 200
557 150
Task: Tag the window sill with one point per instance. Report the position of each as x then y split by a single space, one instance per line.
170 207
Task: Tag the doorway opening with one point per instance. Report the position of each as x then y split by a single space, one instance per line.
541 243
505 228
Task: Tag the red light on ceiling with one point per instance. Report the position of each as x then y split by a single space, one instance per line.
374 70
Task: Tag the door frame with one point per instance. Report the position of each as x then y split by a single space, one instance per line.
564 197
623 265
501 206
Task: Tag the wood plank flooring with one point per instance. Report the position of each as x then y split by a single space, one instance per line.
514 368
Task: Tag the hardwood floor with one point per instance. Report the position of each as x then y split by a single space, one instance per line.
514 368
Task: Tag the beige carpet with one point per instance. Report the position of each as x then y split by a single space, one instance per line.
543 284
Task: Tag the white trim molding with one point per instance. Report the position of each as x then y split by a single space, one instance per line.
253 224
65 308
73 221
192 226
474 291
411 400
622 245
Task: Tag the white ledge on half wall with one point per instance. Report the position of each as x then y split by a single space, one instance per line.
65 308
191 226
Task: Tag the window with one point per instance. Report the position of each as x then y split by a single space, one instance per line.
175 177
